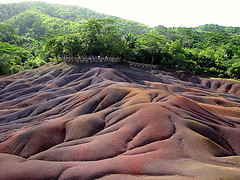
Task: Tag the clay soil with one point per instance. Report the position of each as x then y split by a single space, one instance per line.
114 121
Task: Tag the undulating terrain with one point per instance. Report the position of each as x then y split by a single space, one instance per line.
114 121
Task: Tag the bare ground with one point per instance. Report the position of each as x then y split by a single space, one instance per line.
113 121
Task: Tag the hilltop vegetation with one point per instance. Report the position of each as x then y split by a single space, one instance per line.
32 34
28 16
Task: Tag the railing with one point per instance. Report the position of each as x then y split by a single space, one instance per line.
106 60
90 59
143 65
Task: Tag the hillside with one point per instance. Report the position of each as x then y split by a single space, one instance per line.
54 18
114 121
50 15
33 34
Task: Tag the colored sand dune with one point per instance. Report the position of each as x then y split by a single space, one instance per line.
114 121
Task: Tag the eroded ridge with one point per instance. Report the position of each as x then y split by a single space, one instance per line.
117 122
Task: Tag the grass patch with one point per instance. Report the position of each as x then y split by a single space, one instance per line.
226 79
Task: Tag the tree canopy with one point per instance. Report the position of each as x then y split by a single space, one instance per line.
32 34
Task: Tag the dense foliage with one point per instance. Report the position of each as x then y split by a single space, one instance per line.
32 34
18 53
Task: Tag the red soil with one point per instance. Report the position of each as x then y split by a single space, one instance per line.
117 122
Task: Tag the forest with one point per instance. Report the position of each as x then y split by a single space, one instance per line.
32 34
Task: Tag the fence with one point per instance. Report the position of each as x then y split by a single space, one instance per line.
106 60
90 59
143 65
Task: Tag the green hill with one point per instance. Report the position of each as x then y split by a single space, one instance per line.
34 19
33 33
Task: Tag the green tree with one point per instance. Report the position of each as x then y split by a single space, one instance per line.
93 37
73 45
39 29
101 38
12 58
7 33
54 47
130 44
153 44
234 70
176 50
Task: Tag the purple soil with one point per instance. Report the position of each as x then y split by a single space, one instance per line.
113 121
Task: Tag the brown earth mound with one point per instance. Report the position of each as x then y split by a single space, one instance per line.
117 122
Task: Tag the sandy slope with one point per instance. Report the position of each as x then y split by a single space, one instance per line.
117 122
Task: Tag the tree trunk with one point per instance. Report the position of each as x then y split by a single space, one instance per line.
57 58
152 62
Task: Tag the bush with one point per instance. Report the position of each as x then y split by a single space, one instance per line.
33 63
